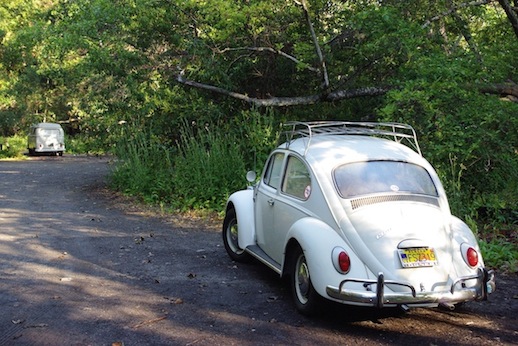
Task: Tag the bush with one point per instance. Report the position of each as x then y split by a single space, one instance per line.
500 253
208 169
145 168
13 147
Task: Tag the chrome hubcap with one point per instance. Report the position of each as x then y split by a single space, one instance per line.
302 279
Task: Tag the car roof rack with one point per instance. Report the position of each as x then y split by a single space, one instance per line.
400 133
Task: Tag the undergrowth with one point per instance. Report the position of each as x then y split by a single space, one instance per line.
145 168
13 147
208 169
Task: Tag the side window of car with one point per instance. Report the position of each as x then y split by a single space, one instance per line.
272 176
297 181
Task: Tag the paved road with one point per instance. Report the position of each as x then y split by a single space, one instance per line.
75 269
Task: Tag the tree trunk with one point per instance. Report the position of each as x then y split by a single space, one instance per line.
511 15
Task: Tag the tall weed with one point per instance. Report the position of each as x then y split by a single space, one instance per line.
260 133
500 253
208 169
13 146
145 168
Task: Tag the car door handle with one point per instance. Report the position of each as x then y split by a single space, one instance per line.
271 202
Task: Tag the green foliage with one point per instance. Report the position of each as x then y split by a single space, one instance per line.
145 168
81 144
500 253
13 147
258 133
469 137
208 169
107 68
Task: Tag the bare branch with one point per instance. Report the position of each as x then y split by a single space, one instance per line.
507 91
325 96
287 101
315 42
353 93
511 15
271 50
454 9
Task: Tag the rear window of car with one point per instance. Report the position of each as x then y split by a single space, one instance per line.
297 180
363 178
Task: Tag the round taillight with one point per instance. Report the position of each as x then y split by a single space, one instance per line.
344 261
341 260
472 256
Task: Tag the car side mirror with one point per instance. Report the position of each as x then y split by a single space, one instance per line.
251 176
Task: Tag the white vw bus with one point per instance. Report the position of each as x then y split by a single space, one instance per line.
46 138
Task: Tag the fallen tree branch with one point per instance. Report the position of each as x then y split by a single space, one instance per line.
506 90
325 96
288 101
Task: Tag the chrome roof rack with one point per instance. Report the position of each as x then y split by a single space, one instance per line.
400 133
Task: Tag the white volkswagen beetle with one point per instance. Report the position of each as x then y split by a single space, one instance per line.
353 213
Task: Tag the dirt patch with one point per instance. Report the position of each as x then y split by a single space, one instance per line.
82 265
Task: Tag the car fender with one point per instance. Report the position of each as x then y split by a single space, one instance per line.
317 240
243 203
462 234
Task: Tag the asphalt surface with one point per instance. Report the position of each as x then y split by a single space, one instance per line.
82 266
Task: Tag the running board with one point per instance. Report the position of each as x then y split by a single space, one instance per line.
260 255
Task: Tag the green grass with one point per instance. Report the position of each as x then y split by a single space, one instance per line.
13 147
501 254
145 169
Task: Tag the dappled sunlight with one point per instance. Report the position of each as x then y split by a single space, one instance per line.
92 291
74 269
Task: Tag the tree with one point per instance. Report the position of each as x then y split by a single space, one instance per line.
512 14
451 23
326 93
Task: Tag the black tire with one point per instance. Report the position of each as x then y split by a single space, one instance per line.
230 232
306 299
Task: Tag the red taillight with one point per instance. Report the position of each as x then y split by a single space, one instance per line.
472 256
344 261
341 260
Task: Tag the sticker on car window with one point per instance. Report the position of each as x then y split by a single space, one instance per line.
307 191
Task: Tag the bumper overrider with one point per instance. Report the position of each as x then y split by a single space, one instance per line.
378 298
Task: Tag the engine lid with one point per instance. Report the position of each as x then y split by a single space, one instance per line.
407 241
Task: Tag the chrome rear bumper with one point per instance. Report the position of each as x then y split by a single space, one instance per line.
458 293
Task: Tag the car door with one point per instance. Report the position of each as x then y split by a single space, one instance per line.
286 206
267 194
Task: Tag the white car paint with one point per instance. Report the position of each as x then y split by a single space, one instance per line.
372 228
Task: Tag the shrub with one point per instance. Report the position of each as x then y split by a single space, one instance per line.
145 168
208 169
13 147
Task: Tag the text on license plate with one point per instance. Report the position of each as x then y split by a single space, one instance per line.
417 257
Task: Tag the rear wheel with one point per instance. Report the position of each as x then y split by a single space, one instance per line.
304 295
230 238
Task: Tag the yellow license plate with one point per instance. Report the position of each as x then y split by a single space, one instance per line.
417 257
